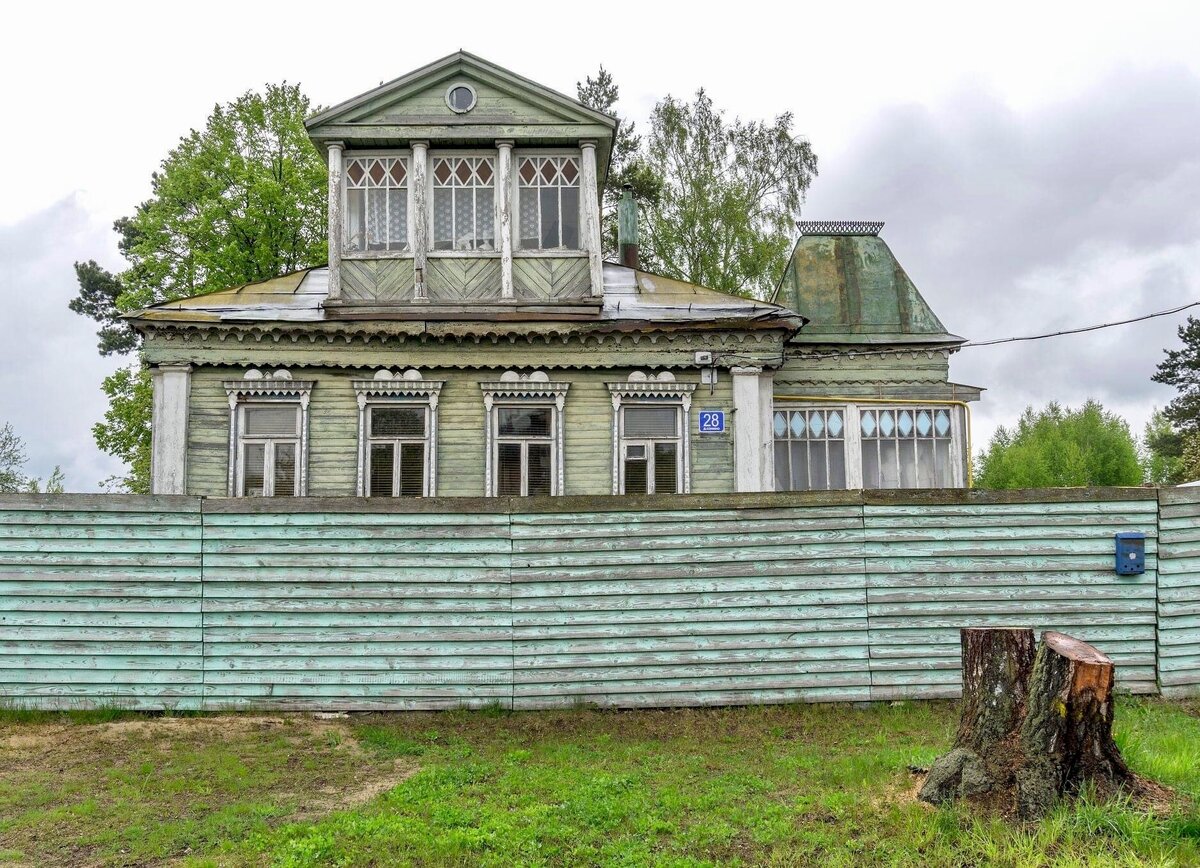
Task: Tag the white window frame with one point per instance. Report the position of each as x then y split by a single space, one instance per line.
409 391
854 437
431 157
407 253
515 198
517 392
648 444
279 389
656 392
849 418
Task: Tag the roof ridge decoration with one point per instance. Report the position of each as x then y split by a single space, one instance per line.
839 227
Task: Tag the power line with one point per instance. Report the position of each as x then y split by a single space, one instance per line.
1090 328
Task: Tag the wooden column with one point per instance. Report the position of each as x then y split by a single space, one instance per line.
169 429
590 206
748 436
335 219
420 216
504 169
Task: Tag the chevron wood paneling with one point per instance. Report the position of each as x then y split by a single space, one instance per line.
454 279
377 279
543 279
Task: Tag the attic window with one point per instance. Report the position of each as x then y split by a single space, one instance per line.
460 98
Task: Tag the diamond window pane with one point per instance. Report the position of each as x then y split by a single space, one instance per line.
355 172
528 171
835 423
780 425
570 171
816 423
376 172
868 423
924 423
942 423
280 421
905 423
398 173
798 425
651 422
441 171
887 423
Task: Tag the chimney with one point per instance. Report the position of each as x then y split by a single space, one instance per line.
627 220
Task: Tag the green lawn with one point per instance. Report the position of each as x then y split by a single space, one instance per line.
785 785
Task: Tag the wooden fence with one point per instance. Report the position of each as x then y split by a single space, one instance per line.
175 602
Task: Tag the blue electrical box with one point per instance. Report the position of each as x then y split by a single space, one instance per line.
1131 554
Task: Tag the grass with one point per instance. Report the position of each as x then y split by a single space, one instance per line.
784 785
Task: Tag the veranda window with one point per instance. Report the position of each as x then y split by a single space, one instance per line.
548 202
650 449
810 449
906 447
524 450
269 446
464 203
397 439
376 211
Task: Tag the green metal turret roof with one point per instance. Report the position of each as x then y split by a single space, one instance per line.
844 278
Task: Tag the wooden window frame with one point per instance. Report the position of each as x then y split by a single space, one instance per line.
407 253
789 438
398 392
263 391
650 442
430 251
652 393
515 209
523 393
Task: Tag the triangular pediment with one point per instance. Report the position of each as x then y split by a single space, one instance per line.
417 103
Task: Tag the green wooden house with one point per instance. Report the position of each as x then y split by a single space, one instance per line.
468 338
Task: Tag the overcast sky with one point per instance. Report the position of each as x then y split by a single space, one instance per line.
1037 164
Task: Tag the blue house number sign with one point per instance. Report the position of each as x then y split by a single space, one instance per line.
712 421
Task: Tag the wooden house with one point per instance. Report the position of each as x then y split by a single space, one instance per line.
467 337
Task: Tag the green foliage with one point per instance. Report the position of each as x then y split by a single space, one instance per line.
731 194
99 290
125 431
1181 369
12 464
1163 452
1060 448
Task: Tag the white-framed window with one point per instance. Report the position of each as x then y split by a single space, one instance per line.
524 435
463 211
838 446
810 448
376 203
268 435
397 435
548 202
650 432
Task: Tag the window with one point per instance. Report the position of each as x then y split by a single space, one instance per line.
906 447
269 446
460 98
268 434
396 439
464 203
524 450
523 434
397 434
376 216
650 447
548 202
650 434
810 449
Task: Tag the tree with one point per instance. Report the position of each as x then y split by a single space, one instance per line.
1181 369
12 463
1060 447
242 200
1164 449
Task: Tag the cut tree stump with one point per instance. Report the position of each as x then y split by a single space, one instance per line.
1034 727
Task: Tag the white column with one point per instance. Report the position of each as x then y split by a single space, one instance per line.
420 216
766 401
590 205
169 427
335 219
504 185
748 436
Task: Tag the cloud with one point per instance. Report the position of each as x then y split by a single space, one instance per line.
50 371
1014 223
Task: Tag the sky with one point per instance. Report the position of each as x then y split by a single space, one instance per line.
1037 164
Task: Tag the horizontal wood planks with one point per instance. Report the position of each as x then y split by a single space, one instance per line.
100 601
437 603
1179 592
932 569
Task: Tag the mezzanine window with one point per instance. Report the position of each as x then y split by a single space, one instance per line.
464 203
377 203
548 202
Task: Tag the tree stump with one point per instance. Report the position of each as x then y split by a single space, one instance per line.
1033 727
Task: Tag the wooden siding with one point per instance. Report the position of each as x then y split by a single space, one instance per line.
183 602
1179 592
932 569
543 279
333 443
100 601
462 278
377 280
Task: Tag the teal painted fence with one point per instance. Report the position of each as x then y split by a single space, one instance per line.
344 603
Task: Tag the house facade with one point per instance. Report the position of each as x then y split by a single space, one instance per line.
468 339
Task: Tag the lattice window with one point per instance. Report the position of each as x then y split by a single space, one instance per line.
464 203
907 447
810 449
548 202
376 203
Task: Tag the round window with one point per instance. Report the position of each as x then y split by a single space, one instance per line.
461 98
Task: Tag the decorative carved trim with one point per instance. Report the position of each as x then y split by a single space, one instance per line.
838 227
